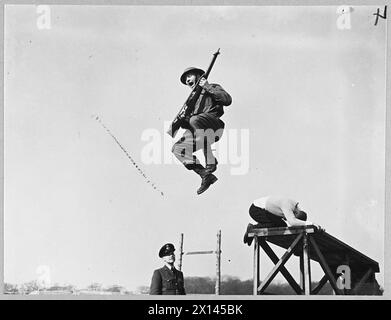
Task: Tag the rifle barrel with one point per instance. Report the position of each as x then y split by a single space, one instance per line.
196 91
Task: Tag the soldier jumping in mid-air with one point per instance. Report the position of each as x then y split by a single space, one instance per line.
202 123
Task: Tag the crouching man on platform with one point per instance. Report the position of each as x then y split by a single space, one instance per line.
276 211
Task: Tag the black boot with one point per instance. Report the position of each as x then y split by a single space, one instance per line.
207 180
200 170
210 168
246 238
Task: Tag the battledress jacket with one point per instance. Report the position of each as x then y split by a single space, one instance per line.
212 99
167 282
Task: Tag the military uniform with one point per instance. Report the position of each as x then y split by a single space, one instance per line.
167 281
204 128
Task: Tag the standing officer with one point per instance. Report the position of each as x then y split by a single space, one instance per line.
167 280
204 126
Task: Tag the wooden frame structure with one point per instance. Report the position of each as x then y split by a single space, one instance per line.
308 243
218 259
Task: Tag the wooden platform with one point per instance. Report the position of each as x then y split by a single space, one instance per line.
308 243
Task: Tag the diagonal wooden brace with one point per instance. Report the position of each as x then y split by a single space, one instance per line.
320 285
362 281
283 270
279 264
325 267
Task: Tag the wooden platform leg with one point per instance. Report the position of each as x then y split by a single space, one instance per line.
256 266
266 248
279 265
306 265
325 267
301 272
320 285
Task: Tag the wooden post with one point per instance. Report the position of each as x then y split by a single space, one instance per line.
283 270
256 267
325 267
218 258
301 272
279 265
218 263
180 252
307 265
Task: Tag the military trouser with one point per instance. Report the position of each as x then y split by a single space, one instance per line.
265 219
204 130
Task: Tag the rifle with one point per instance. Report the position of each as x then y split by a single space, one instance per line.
188 107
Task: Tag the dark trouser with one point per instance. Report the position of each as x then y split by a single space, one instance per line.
265 219
204 130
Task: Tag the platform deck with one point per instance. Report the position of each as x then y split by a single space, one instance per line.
309 243
334 250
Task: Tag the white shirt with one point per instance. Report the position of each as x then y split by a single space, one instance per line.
281 207
261 202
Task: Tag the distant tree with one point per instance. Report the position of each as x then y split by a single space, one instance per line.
29 287
70 287
279 289
115 288
199 285
54 287
10 288
233 285
57 287
95 287
142 290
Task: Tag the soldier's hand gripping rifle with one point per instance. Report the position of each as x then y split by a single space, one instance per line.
181 119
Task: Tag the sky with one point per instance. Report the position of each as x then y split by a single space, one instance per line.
308 110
